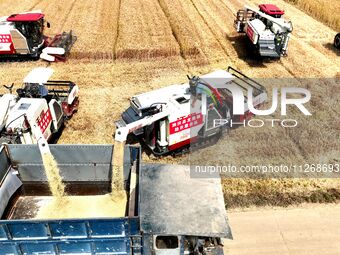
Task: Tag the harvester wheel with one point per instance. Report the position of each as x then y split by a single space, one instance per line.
337 41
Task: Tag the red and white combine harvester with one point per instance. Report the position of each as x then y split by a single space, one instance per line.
171 119
22 35
39 109
267 31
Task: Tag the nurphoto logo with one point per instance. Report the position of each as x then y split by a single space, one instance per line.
288 96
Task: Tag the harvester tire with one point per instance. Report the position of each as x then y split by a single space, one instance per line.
337 41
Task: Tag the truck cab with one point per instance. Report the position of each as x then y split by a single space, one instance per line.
174 212
181 245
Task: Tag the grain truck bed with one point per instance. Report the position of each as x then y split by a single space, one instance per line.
86 174
81 207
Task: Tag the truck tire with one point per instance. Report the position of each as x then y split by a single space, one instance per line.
337 41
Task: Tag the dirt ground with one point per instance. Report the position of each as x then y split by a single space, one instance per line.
122 51
306 229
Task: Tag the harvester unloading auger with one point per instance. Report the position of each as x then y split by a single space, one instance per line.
22 36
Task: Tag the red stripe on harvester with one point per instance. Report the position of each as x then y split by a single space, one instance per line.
184 123
44 120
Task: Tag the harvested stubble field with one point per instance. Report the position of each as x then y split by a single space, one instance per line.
128 47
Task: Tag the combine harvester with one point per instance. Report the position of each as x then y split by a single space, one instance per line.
41 105
157 220
267 31
22 36
171 119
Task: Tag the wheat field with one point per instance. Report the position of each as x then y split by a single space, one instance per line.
144 31
126 47
323 10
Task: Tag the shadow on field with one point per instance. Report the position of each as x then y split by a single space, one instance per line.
55 137
135 140
330 46
18 58
247 52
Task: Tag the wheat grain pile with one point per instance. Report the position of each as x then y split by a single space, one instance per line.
129 47
81 207
62 206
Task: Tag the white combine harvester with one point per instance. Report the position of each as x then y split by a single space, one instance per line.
267 31
171 119
39 109
22 36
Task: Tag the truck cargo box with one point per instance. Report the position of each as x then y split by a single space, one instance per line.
151 223
86 170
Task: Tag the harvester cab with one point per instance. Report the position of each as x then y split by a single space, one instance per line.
40 104
267 31
171 119
271 10
22 35
29 26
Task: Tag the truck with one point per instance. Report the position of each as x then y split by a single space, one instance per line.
167 211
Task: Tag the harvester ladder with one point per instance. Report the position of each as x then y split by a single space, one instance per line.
242 17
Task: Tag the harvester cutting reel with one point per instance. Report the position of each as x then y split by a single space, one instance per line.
58 48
